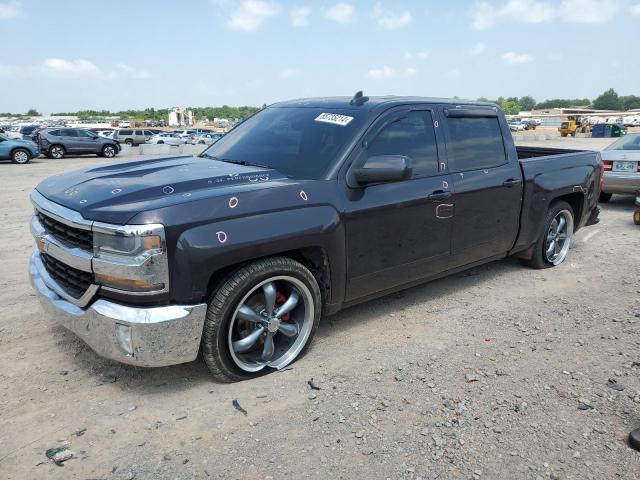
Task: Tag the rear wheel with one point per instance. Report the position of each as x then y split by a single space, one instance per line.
57 152
262 318
129 142
160 142
21 156
605 197
553 245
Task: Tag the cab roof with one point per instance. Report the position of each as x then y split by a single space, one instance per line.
374 103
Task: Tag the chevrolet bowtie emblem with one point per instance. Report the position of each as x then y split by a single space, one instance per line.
40 243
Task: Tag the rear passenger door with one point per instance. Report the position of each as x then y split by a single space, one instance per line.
399 232
69 139
487 184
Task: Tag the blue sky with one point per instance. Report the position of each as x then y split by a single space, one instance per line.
117 54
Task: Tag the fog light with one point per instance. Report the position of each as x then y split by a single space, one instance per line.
123 335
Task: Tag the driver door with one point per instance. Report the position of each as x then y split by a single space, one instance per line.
399 232
87 142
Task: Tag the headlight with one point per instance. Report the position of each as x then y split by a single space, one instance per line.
131 259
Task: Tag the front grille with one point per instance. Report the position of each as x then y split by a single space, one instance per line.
74 281
71 236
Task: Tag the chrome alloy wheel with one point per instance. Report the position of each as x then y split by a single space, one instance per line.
21 157
56 152
271 324
559 236
109 151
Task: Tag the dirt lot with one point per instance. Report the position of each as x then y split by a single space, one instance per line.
500 372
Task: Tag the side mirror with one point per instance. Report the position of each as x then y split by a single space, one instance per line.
383 168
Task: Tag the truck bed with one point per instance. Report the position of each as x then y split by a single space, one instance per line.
525 152
557 172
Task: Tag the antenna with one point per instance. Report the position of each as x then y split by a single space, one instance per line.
358 99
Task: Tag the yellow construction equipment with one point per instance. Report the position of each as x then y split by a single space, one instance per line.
574 124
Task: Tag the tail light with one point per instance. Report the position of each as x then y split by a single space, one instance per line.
607 164
601 180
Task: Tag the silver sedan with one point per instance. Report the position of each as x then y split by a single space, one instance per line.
167 138
621 162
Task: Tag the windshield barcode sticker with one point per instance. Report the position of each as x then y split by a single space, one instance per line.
334 118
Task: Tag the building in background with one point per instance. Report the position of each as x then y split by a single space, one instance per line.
180 117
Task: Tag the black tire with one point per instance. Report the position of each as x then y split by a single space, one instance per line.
129 142
605 197
538 258
20 156
57 151
160 142
109 151
223 304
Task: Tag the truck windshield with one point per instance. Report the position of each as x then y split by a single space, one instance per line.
300 142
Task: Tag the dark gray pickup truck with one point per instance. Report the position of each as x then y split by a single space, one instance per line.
305 208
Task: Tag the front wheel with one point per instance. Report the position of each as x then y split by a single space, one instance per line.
129 142
260 319
553 245
109 151
21 156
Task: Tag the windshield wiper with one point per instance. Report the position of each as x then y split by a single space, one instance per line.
235 162
243 162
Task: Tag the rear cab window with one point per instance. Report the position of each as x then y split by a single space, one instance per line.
474 143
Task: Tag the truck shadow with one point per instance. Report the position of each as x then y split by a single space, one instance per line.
166 380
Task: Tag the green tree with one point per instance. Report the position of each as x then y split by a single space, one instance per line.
32 112
609 100
527 102
564 103
630 102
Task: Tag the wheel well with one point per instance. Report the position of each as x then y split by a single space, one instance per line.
20 148
314 258
576 201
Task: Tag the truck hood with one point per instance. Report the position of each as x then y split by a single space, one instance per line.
115 193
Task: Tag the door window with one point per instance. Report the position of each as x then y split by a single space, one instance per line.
85 134
68 132
474 143
413 136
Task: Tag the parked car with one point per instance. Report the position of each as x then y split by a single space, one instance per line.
17 150
104 133
22 132
305 208
516 125
131 136
185 133
529 124
168 138
58 142
621 162
205 138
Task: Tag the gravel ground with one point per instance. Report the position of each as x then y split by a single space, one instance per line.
498 372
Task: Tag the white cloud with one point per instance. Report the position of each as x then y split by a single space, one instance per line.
252 14
390 20
486 15
477 49
133 72
300 16
340 13
289 72
9 9
417 55
388 72
513 58
635 10
70 67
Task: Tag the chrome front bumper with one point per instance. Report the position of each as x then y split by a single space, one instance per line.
159 336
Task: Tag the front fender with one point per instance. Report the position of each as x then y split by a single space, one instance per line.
203 250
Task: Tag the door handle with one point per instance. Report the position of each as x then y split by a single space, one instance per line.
510 182
439 195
